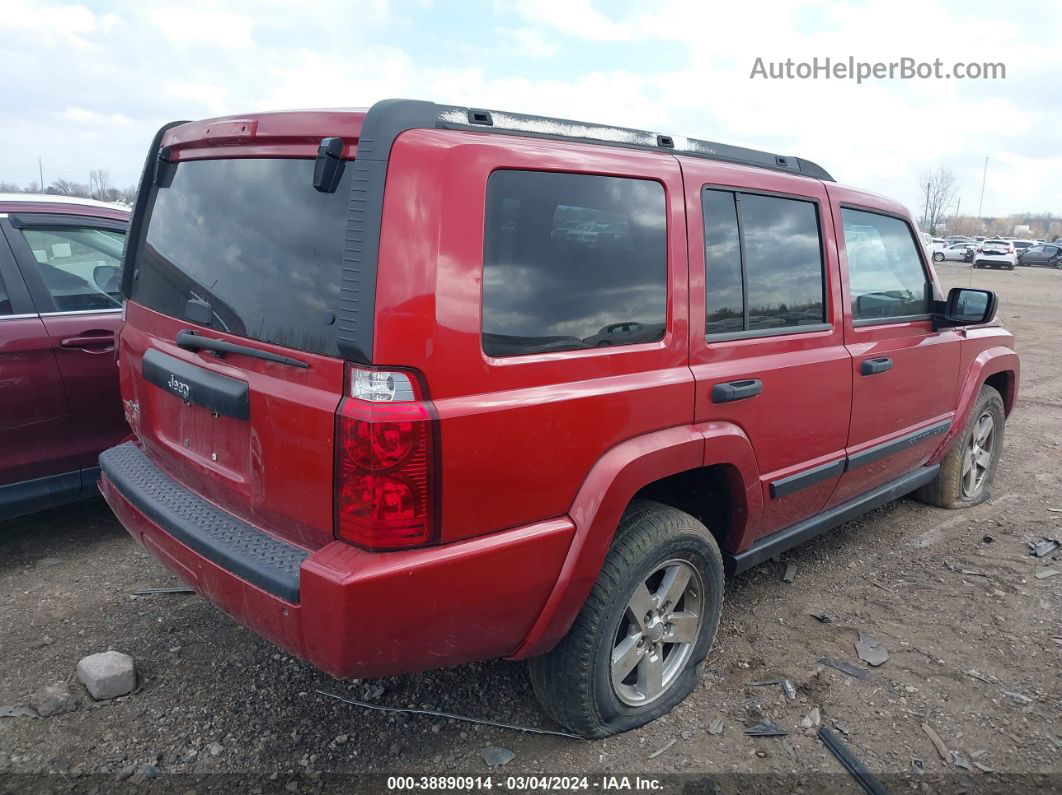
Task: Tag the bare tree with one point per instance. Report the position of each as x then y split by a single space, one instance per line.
100 183
62 187
937 187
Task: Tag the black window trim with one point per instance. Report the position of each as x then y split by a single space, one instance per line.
522 358
919 248
725 336
12 280
26 262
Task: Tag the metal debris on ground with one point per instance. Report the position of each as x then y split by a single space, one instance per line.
822 618
716 726
989 679
871 650
766 728
166 589
659 751
496 756
984 768
434 713
7 711
918 767
851 763
959 760
787 686
1021 698
790 573
845 668
938 743
1043 574
1043 547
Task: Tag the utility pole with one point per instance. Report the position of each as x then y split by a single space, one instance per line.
40 170
984 176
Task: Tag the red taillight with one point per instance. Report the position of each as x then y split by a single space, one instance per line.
384 472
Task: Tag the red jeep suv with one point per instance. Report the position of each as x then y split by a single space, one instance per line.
422 384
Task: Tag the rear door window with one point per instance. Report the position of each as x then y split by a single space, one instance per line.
79 266
572 261
253 239
763 263
885 273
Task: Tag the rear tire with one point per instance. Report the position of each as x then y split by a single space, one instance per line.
967 471
616 670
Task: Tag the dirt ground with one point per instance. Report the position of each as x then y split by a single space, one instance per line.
975 644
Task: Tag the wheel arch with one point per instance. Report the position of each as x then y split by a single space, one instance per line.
717 454
998 367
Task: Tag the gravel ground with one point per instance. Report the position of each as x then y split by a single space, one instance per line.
974 639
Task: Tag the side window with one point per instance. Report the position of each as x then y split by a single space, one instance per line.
80 266
884 270
572 261
764 268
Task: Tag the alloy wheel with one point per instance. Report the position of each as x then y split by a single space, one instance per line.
978 455
657 633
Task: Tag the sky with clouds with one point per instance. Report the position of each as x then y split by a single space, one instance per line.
86 84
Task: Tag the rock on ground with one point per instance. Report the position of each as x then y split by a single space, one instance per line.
108 674
53 700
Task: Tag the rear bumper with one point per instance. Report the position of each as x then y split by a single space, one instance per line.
349 612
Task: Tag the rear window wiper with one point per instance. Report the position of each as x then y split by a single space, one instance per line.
191 341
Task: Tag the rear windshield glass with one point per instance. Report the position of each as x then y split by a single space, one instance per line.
254 240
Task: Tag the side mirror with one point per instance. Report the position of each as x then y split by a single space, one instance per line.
107 278
966 307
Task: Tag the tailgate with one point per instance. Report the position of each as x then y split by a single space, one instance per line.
228 356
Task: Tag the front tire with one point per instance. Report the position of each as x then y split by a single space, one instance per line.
632 653
938 257
967 471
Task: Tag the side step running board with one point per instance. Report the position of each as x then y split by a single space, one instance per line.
767 548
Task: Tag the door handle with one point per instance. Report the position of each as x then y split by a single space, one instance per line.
99 342
874 366
736 390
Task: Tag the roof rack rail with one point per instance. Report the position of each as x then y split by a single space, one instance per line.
388 118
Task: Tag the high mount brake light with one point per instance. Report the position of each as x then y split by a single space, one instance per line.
385 474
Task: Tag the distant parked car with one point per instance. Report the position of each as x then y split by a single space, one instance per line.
955 252
1022 245
995 253
625 334
1049 255
60 308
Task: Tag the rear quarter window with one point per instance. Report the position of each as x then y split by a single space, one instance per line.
572 261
